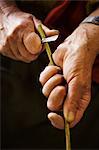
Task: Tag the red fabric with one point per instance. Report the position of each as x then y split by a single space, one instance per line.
56 13
66 17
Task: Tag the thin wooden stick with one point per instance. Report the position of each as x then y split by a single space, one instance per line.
48 50
67 134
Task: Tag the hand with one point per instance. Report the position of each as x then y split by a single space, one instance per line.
18 37
75 56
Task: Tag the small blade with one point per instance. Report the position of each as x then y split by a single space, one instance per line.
50 39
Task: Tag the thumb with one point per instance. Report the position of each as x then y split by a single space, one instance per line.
32 42
71 103
76 102
48 32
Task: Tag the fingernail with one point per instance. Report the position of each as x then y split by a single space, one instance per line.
70 116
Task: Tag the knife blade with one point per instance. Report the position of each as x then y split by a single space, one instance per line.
50 39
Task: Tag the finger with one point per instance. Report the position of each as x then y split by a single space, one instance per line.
72 101
48 72
78 117
56 98
51 83
24 52
48 32
58 55
15 50
32 42
56 120
84 102
13 46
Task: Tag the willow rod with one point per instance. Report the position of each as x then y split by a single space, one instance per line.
48 50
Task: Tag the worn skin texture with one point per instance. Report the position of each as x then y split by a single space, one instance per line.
75 56
18 34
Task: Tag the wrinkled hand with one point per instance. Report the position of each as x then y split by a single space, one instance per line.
75 56
18 39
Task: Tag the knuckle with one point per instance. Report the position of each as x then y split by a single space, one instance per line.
45 92
52 69
26 20
41 79
51 83
14 32
48 72
58 78
44 75
62 89
29 16
58 55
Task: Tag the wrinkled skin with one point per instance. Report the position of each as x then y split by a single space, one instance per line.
75 56
18 35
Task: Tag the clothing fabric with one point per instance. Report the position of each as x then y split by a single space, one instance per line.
24 113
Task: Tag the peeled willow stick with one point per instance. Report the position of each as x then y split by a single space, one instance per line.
67 134
48 50
42 34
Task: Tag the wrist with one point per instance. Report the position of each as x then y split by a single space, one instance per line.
92 32
92 29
